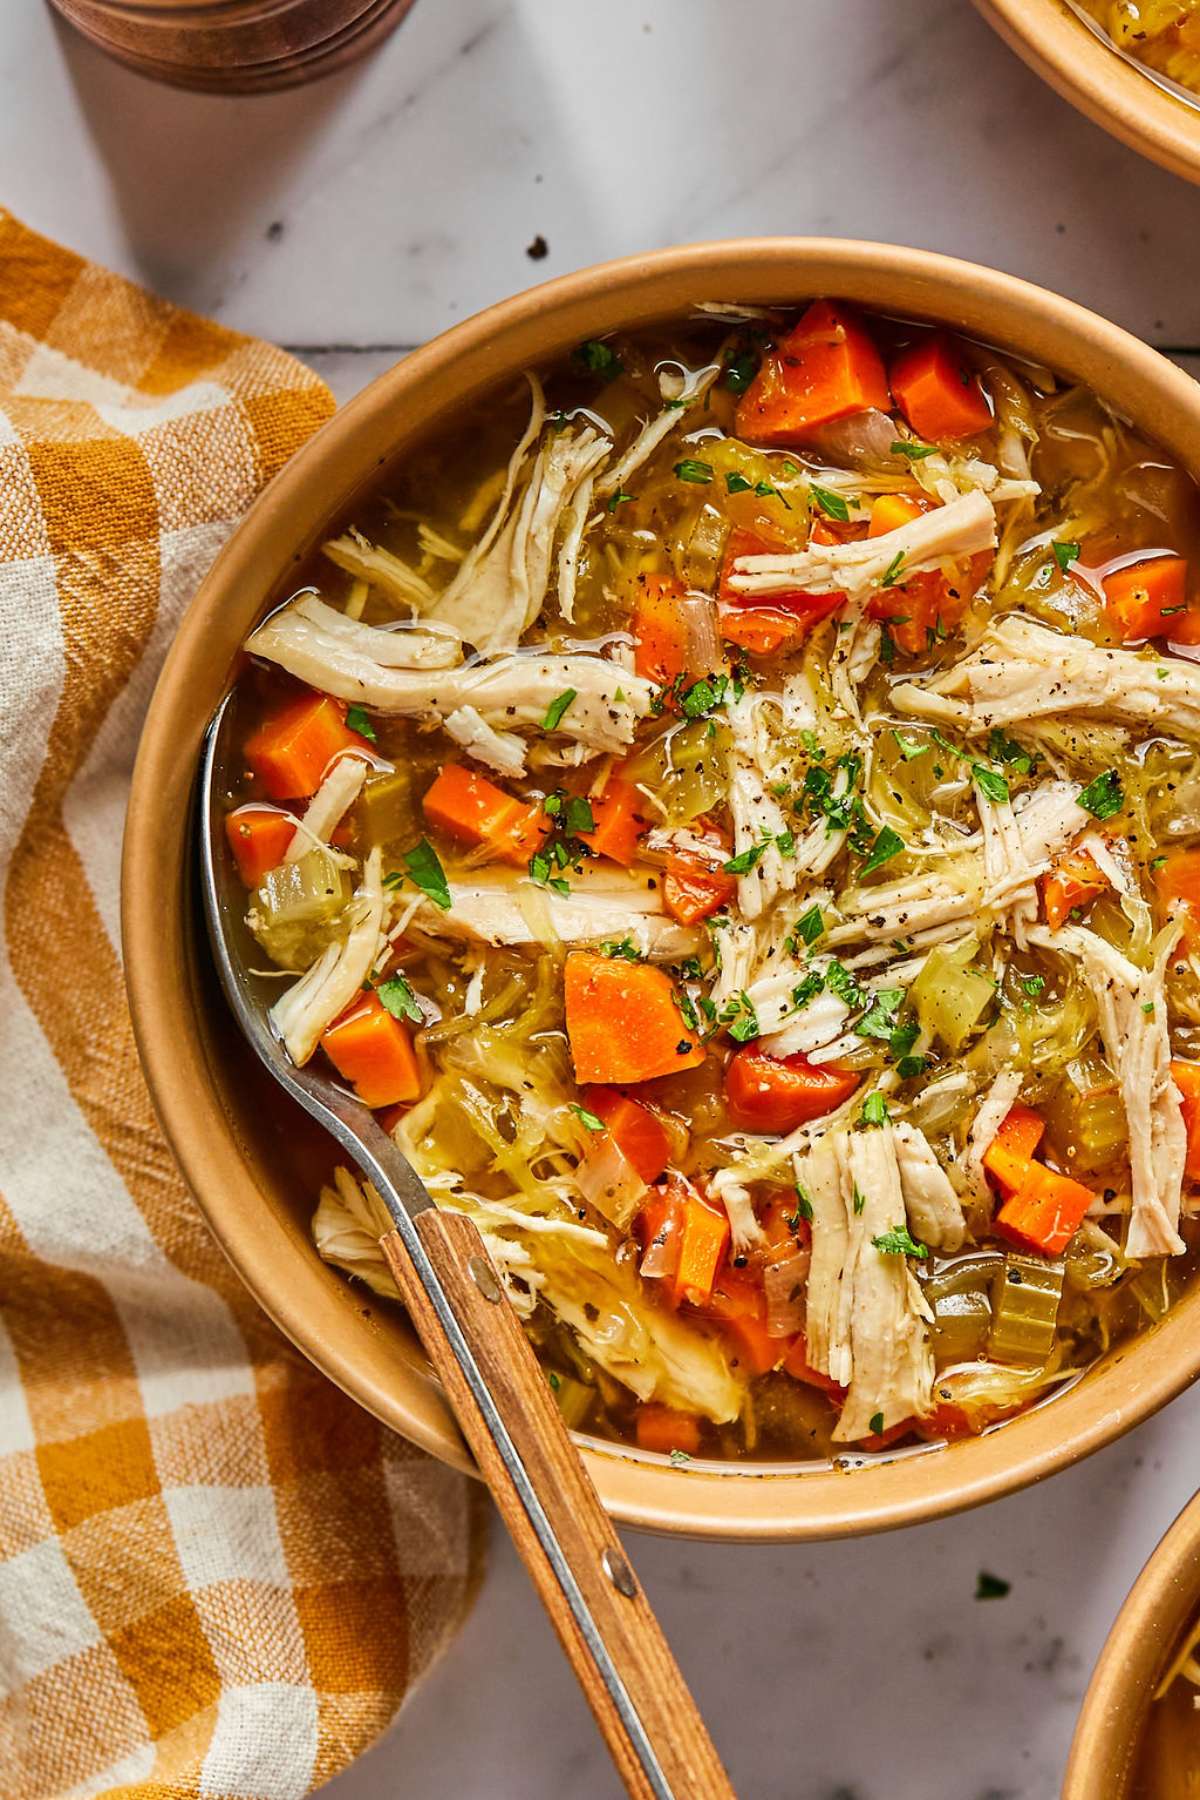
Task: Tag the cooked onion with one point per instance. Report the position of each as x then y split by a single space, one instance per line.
703 652
784 1284
608 1181
661 1258
864 440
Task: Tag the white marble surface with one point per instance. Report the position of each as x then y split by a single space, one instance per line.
355 219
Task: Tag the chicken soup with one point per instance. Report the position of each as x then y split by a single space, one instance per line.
732 806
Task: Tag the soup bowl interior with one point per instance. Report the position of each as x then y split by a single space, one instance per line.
1162 1605
250 1158
1113 91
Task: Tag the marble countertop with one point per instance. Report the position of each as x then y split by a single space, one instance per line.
354 219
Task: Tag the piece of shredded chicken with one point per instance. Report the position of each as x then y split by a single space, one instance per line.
389 575
1020 840
325 811
304 1010
502 908
963 528
501 750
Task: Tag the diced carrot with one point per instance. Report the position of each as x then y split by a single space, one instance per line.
694 889
659 1224
890 511
1045 1212
931 602
797 1365
762 630
258 838
1073 881
637 1130
292 749
620 821
469 807
826 368
938 394
660 628
702 1247
662 1428
770 1093
1148 598
1177 880
373 1052
763 627
624 1022
1010 1152
1186 1076
741 1310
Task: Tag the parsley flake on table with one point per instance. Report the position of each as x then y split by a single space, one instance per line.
991 1587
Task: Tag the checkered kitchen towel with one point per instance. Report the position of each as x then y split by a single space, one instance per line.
217 1576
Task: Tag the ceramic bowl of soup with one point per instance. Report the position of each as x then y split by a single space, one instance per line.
715 769
1133 69
1138 1736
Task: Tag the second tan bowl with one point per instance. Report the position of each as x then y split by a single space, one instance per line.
253 1174
1114 92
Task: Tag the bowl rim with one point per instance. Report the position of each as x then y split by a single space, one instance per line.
1098 81
382 1367
1108 1732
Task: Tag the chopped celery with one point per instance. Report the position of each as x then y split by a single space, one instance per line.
384 812
961 1323
704 548
1085 1117
685 769
1025 1308
1093 1259
950 997
575 1398
301 892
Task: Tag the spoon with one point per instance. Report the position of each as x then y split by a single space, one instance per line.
500 1396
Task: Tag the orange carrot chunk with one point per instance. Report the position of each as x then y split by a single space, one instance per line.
1045 1212
1178 883
1009 1155
624 1022
694 889
663 1429
373 1052
1148 599
637 1130
258 839
702 1246
1074 880
770 1093
787 618
797 1365
619 821
930 603
741 1309
1186 1076
826 368
937 393
660 627
469 807
291 750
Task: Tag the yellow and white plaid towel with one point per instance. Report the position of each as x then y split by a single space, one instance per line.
217 1576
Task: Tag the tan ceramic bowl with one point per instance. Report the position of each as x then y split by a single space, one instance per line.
1162 1604
248 1172
1116 93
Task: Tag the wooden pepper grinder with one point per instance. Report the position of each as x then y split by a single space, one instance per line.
235 46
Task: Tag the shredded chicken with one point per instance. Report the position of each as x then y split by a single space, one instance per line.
963 528
1132 1008
989 1116
921 909
335 649
336 794
678 404
1019 846
387 573
502 750
935 1215
1021 670
502 909
301 1014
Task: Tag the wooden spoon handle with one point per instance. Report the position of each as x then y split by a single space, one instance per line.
649 1720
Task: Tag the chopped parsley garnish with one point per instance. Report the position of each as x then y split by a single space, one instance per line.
912 451
741 1018
587 1118
902 1040
618 499
830 503
623 947
860 1199
897 1241
879 1020
808 989
704 696
552 805
842 983
1065 555
991 785
908 1066
740 369
357 720
1104 796
1033 984
888 843
745 860
1148 1008
767 491
891 574
426 872
887 644
909 747
399 999
578 816
875 1424
1003 749
598 358
677 1458
556 709
874 1110
737 484
943 743
692 469
392 879
810 925
804 1207
991 1587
